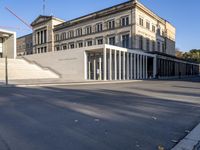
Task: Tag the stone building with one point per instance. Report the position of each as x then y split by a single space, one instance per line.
25 45
123 42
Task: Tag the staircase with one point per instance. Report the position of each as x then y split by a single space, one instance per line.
19 69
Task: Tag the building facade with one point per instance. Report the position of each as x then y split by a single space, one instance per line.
25 45
123 42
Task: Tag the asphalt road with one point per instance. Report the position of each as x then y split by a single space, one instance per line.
129 116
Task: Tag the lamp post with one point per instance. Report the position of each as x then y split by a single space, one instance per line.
6 58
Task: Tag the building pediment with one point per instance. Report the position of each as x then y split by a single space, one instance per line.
41 19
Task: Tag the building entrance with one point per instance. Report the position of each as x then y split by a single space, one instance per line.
1 47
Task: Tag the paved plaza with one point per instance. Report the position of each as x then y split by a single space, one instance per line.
125 116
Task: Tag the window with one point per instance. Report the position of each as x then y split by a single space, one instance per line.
99 27
45 49
57 37
79 32
163 33
148 45
112 40
89 43
153 28
158 46
88 30
80 44
124 21
141 22
153 46
99 41
57 48
163 48
71 34
71 45
148 25
63 36
158 31
141 42
45 36
111 24
64 47
125 41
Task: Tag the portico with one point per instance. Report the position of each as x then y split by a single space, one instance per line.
115 63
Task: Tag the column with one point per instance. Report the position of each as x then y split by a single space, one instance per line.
105 63
143 67
115 63
131 66
95 70
138 66
146 69
135 69
127 71
124 65
155 66
100 69
89 69
110 65
120 65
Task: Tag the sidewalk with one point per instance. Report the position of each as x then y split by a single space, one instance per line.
58 82
191 141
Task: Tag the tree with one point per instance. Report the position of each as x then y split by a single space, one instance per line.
192 55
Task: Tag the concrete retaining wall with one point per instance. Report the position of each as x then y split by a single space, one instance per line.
69 64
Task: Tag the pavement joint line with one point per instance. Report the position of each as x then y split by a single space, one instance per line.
190 140
70 84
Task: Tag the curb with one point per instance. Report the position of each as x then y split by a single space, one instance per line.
70 84
191 141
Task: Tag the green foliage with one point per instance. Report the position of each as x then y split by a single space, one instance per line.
193 55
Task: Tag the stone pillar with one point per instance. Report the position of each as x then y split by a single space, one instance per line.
124 65
127 71
110 77
120 65
105 63
95 70
115 63
89 69
143 67
131 66
100 69
138 67
135 69
146 67
155 66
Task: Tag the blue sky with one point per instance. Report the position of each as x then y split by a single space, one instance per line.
183 14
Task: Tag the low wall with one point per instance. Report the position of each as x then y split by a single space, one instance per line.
68 64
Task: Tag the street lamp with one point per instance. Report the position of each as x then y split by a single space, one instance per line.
5 37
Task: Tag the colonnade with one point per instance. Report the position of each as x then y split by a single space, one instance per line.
117 65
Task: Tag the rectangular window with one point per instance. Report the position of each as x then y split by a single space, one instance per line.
89 43
71 34
153 28
45 36
57 37
99 41
72 46
148 25
153 46
80 44
88 30
158 46
79 32
111 24
99 27
141 42
141 22
64 47
112 40
124 21
125 41
163 48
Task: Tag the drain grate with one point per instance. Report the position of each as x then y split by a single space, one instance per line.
197 147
